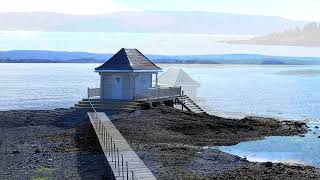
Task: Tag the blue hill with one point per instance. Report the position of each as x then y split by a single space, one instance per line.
34 56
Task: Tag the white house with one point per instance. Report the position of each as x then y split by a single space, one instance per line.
178 77
127 75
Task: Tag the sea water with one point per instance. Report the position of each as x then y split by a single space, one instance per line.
287 149
227 90
231 90
286 92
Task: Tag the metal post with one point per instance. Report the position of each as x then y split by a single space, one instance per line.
127 170
122 166
104 137
115 157
102 133
118 160
108 143
111 151
99 131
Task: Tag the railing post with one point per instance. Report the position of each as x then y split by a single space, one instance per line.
118 161
122 166
88 92
102 135
115 157
105 139
106 144
111 151
127 170
109 144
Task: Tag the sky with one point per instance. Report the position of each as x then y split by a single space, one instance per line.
291 9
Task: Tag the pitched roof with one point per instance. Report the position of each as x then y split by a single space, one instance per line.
128 60
177 77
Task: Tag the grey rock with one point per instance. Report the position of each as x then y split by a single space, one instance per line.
15 152
267 164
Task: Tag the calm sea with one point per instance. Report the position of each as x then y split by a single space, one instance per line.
231 90
228 90
288 92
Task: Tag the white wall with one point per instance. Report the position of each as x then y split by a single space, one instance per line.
131 84
143 81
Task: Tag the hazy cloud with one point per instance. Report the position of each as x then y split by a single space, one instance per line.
62 6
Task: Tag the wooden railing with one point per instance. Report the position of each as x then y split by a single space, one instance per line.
93 92
149 94
159 93
118 165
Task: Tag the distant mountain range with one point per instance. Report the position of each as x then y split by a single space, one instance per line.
32 56
309 35
147 22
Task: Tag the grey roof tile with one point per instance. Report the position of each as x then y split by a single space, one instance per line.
129 60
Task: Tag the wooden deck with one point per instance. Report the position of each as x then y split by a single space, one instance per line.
125 163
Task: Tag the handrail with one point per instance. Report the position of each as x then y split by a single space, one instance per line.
159 92
112 149
93 92
150 93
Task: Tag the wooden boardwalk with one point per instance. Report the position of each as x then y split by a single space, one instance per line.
125 163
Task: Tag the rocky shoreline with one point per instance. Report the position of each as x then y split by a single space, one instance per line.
61 144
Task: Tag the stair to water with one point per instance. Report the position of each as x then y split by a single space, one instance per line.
189 104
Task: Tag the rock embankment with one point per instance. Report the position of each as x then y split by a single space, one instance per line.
167 125
50 144
171 142
61 144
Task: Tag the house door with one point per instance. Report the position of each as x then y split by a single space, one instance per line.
117 88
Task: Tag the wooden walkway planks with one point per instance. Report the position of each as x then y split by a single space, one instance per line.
124 162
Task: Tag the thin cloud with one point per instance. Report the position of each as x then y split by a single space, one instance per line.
62 6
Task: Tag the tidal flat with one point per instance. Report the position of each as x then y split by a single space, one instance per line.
61 143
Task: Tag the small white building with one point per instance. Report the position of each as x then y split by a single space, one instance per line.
177 77
127 75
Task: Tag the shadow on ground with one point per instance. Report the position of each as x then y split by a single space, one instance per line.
92 163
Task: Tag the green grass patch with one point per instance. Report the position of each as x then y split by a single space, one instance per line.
45 170
39 178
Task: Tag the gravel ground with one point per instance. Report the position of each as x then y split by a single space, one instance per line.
171 142
57 144
61 144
